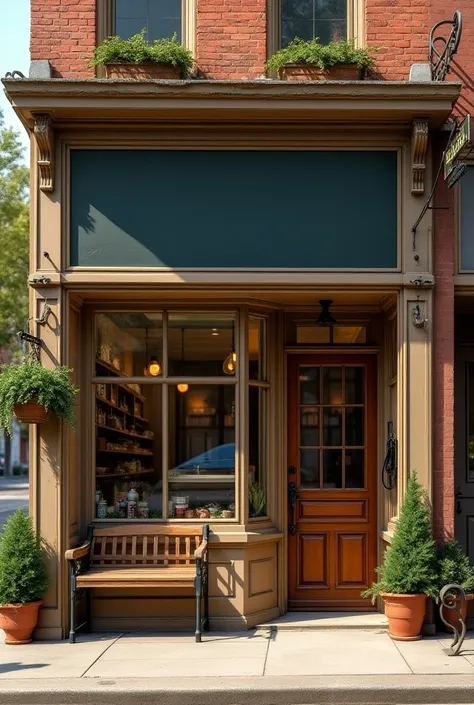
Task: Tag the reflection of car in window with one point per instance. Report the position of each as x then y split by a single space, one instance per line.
216 461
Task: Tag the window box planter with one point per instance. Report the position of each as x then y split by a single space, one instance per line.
312 72
143 72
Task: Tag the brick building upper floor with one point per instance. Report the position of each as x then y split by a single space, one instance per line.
232 39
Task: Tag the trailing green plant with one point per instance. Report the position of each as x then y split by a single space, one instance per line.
410 563
300 51
22 572
257 502
454 567
137 50
30 381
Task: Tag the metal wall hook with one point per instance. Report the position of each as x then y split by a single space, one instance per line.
42 320
418 317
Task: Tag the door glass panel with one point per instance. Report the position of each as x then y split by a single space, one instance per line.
354 385
309 431
332 385
470 430
309 468
332 469
309 385
332 426
354 426
354 462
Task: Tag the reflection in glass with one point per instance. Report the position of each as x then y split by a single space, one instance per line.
332 426
309 431
257 451
159 19
127 344
332 385
354 385
198 344
332 469
128 451
307 19
470 448
355 426
202 452
309 468
354 460
256 345
309 385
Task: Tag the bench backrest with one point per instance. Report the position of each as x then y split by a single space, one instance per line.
142 545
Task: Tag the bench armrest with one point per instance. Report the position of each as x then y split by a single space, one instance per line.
201 550
74 554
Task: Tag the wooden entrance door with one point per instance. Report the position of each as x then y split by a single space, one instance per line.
332 480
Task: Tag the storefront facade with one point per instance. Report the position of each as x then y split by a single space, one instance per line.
183 237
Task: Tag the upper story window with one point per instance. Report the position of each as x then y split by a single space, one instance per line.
160 18
307 19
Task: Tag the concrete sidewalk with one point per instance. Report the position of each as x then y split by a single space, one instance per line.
261 667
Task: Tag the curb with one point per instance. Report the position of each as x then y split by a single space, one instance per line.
323 690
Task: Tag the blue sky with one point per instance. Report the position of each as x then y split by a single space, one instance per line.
14 51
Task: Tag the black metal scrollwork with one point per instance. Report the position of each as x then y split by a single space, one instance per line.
442 48
453 597
14 74
292 498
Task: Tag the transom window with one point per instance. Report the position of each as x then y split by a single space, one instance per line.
159 18
307 19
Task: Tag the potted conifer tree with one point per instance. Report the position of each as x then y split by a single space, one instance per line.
23 579
408 573
454 568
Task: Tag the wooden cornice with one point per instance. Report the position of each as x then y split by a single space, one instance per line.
81 102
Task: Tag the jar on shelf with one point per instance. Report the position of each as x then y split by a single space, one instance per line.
143 510
102 509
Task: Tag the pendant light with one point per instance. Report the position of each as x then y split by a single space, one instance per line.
230 363
182 386
153 369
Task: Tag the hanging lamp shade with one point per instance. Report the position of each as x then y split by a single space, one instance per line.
230 363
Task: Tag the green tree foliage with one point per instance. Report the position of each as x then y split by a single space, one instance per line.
410 563
14 236
22 572
455 567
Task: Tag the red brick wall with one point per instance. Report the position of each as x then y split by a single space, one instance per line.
63 31
443 359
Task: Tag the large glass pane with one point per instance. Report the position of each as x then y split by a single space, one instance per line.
202 452
354 460
309 385
202 345
332 426
330 30
355 426
309 468
355 382
257 348
159 19
129 344
309 429
307 19
128 467
332 385
257 451
470 430
332 469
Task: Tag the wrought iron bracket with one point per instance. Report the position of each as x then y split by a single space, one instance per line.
442 48
452 597
34 343
14 74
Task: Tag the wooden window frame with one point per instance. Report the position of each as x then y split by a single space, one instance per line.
106 20
355 24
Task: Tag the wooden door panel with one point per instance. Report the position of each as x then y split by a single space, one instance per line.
332 444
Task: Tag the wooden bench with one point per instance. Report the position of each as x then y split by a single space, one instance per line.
140 556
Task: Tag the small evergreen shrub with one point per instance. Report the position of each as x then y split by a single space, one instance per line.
31 381
323 55
257 502
410 563
137 50
22 572
454 567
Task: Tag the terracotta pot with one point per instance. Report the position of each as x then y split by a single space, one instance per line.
143 72
18 621
31 412
451 616
311 72
405 615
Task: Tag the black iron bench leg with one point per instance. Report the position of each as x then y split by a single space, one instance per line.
72 598
206 597
198 590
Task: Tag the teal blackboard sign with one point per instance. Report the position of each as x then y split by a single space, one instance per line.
217 209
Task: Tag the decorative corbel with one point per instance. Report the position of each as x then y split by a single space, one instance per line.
45 142
419 147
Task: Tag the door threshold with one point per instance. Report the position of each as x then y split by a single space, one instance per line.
313 621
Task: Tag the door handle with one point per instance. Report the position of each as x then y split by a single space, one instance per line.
459 496
292 498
